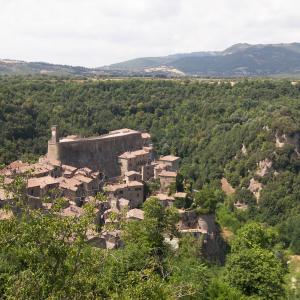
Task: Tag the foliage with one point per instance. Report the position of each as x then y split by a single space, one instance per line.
220 290
254 235
290 233
253 267
227 218
256 272
205 124
208 198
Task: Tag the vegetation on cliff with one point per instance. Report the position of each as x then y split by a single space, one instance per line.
219 130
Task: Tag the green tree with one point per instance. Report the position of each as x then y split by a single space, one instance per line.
208 198
256 272
254 235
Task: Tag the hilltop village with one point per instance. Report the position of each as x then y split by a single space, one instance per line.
111 170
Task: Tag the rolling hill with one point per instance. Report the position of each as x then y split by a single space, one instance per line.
236 61
240 60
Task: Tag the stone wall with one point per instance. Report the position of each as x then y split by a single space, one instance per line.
100 153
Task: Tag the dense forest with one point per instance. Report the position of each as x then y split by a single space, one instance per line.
219 130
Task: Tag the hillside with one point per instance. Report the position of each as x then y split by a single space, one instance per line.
236 61
241 60
15 67
245 136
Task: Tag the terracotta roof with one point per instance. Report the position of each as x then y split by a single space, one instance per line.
134 183
126 155
17 164
83 178
84 171
72 211
148 149
115 187
146 135
167 174
159 166
169 158
41 168
164 197
135 214
130 173
41 181
133 154
68 168
70 184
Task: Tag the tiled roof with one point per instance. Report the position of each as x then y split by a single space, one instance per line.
72 211
130 173
83 178
146 135
169 158
115 187
135 213
164 197
41 181
133 154
167 174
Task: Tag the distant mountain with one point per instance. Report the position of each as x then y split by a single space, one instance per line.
17 67
236 61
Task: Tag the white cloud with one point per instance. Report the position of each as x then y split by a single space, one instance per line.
99 32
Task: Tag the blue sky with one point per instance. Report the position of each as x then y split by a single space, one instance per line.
100 32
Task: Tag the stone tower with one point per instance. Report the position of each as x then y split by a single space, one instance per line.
53 144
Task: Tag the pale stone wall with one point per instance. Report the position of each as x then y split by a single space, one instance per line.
96 153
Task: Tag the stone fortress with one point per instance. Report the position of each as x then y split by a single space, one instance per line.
119 164
96 153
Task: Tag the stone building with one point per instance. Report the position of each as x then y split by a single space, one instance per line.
147 172
132 191
170 162
72 189
165 200
134 161
166 179
135 214
132 176
41 186
96 153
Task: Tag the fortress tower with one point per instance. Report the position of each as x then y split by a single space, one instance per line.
53 144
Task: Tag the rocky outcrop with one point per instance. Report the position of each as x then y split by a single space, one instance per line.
255 187
244 149
293 139
264 167
280 141
227 187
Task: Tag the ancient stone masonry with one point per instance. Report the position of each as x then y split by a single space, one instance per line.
96 153
119 165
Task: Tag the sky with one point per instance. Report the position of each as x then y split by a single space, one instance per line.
94 33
